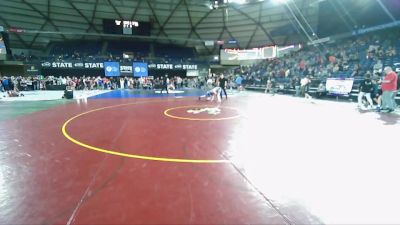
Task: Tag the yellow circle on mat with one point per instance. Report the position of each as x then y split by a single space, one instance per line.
167 113
114 152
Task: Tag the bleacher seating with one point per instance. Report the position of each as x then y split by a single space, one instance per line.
67 49
340 59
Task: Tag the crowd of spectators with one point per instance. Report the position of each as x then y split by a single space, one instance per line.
354 57
346 58
92 83
20 83
107 57
111 51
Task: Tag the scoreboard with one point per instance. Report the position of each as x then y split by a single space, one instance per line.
126 27
235 56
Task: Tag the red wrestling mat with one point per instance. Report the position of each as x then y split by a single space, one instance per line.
60 181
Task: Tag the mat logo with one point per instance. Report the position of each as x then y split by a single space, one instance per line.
210 111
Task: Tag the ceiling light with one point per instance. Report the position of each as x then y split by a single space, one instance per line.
280 1
240 2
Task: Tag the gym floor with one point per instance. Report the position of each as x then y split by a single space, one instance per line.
143 158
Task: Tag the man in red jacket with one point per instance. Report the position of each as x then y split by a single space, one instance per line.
389 89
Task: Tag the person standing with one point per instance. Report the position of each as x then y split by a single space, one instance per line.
305 87
122 83
165 82
270 87
296 84
239 81
377 93
321 91
389 89
5 84
222 84
366 88
209 83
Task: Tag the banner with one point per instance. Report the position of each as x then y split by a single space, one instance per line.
165 66
339 86
73 65
112 69
126 69
140 69
32 69
192 73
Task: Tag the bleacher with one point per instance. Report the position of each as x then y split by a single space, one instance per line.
85 48
283 87
139 49
363 52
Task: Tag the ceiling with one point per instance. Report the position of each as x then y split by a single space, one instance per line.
183 22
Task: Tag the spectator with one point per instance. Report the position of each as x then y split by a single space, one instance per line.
270 86
377 94
239 81
1 85
365 89
378 68
321 91
389 90
296 85
305 87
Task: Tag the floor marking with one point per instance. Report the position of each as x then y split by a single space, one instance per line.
168 114
113 152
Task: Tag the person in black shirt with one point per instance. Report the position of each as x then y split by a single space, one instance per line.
222 84
377 96
165 82
366 87
296 85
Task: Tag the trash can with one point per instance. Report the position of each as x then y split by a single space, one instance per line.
69 94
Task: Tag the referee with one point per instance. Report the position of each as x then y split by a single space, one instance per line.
222 84
165 82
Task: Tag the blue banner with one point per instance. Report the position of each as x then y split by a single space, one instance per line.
140 69
111 69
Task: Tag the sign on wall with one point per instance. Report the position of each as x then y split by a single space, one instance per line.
111 69
140 69
339 86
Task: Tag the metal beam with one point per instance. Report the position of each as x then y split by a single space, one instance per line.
339 13
256 28
254 21
152 38
193 28
48 8
226 27
169 17
46 18
37 34
115 9
136 9
93 14
203 18
219 37
190 20
91 25
16 34
158 22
